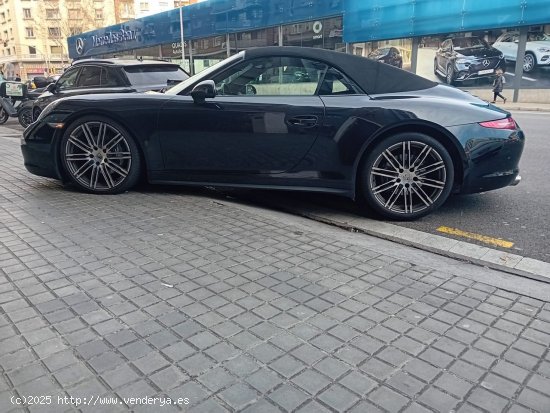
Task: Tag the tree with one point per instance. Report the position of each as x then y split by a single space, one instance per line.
56 20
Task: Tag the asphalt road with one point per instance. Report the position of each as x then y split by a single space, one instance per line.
519 214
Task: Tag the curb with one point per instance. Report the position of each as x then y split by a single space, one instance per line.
527 109
487 257
483 256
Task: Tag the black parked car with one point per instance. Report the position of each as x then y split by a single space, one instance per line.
109 76
463 58
389 55
399 141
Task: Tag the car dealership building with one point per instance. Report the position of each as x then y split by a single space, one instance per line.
414 30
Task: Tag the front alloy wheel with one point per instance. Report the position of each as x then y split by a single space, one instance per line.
100 156
450 75
529 62
407 176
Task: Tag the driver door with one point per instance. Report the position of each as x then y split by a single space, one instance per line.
264 120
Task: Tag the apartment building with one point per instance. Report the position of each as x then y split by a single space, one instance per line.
33 34
148 7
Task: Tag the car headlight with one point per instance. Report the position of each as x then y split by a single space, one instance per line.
544 49
463 61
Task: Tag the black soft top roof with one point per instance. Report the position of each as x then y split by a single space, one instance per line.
371 76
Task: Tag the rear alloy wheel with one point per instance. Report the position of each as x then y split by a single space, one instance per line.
407 176
529 62
99 156
25 117
3 116
449 78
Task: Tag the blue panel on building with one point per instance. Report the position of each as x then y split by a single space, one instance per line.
148 31
210 18
366 20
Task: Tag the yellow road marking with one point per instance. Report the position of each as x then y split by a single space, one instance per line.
478 237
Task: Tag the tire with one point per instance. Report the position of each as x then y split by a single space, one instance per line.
449 75
3 116
396 189
36 113
436 72
99 156
25 117
529 62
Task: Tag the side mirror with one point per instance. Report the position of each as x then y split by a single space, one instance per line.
52 88
204 90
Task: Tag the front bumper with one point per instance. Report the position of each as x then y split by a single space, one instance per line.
477 70
39 149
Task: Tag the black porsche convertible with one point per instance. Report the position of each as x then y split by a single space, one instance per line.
345 125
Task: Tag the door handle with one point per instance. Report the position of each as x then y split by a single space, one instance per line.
304 121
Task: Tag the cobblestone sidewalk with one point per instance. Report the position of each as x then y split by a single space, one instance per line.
110 303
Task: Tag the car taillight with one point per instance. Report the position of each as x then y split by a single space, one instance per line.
506 123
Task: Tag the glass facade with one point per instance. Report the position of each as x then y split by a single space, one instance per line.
464 43
394 52
323 33
472 60
254 38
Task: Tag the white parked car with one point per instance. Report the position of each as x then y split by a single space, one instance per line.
537 51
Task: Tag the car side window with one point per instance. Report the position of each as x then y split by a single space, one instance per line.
68 80
90 76
109 78
335 83
272 76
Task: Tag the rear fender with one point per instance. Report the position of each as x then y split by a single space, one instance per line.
436 131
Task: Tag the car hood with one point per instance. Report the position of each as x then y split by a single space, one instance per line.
539 43
376 55
479 52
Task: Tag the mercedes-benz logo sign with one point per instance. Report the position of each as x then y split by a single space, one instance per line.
79 45
317 27
486 62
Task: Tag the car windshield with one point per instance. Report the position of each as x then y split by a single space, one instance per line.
468 42
537 37
174 90
154 74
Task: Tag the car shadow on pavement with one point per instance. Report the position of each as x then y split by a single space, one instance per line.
294 201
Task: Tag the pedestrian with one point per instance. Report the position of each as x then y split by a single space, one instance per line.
498 85
17 78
